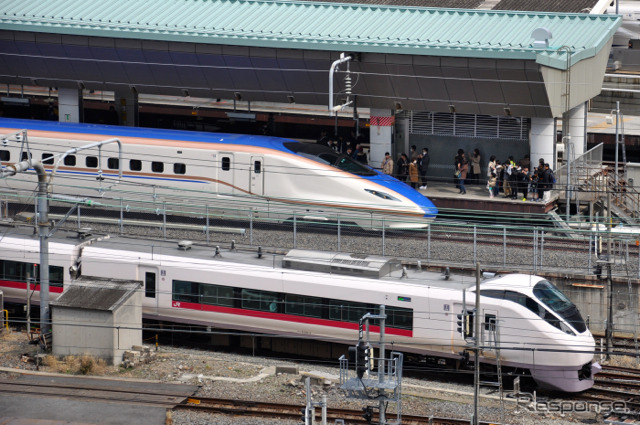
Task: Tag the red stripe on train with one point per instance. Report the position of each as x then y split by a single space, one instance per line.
33 286
285 317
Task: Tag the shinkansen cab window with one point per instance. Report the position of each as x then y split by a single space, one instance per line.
226 163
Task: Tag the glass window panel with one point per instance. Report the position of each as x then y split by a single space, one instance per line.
157 167
113 163
47 158
56 276
150 285
226 163
225 296
185 291
294 304
5 155
135 165
179 168
92 161
70 160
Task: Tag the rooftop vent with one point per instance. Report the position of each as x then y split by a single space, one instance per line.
339 263
541 37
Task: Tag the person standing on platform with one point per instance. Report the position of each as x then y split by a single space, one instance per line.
475 167
423 167
413 173
413 154
387 164
491 184
403 167
464 169
457 163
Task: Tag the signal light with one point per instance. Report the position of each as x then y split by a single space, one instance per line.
597 270
361 359
465 323
306 416
367 414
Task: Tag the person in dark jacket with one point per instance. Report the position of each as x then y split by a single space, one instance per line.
403 167
457 163
423 166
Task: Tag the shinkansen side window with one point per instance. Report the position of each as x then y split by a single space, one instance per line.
5 155
47 158
91 161
113 163
70 160
150 285
135 165
179 168
157 167
226 163
25 156
257 167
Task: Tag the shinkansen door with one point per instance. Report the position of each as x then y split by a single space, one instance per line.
150 280
225 173
256 175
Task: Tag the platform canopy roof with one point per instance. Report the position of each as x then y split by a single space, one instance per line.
480 61
322 26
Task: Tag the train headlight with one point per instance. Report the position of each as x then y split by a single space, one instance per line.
382 195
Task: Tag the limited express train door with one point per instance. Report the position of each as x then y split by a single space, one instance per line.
150 301
256 175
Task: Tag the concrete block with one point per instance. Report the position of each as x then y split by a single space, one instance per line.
292 370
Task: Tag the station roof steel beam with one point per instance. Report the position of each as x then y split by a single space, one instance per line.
426 59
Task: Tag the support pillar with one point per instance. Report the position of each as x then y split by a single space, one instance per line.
380 139
126 104
577 124
542 140
69 105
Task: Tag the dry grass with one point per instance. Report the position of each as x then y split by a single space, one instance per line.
625 361
76 365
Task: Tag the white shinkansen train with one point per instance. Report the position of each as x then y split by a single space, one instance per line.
536 328
275 178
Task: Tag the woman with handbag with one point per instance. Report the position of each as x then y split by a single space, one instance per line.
463 170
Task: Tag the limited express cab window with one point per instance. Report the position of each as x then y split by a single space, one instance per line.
558 302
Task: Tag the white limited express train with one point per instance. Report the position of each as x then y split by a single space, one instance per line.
317 295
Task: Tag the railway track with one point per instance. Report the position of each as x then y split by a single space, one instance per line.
290 411
616 384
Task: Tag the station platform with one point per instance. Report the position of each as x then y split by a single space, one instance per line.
446 196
